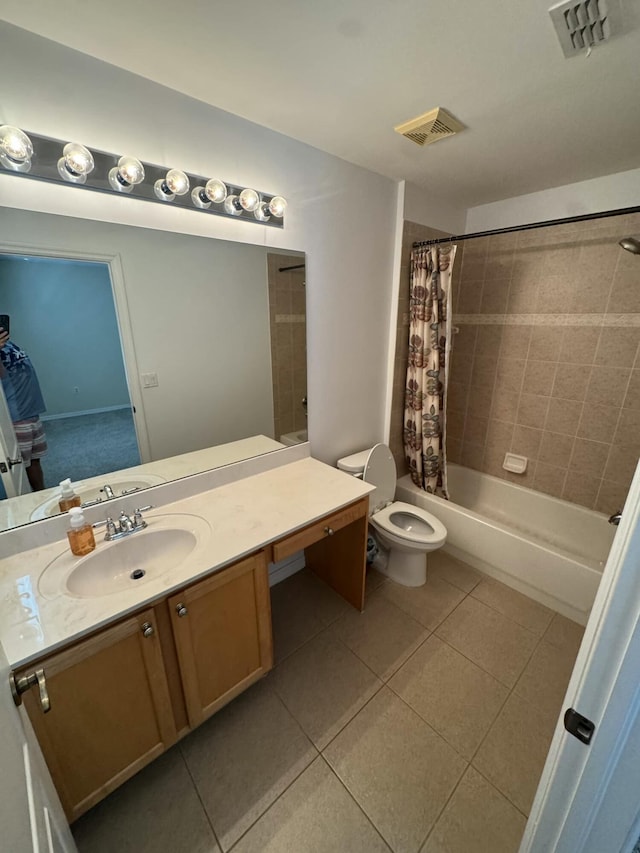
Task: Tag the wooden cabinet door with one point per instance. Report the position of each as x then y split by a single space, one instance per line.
222 629
110 711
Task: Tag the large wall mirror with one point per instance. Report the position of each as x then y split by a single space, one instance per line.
159 355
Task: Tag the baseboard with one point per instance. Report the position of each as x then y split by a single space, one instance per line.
285 568
85 412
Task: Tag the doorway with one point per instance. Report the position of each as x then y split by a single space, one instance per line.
62 313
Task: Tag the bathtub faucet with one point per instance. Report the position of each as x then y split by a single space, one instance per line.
615 518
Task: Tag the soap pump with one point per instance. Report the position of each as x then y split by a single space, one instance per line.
68 497
80 533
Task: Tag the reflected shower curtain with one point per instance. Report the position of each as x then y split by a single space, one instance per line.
427 371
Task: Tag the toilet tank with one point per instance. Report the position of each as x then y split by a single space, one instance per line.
355 463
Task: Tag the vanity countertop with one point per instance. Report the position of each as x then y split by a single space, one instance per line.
243 516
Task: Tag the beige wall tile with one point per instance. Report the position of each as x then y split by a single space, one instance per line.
607 386
611 497
555 292
545 343
495 292
532 410
475 430
510 374
628 431
515 341
632 397
618 347
523 296
598 423
581 488
621 464
563 416
539 377
589 457
571 381
549 479
489 340
472 455
505 404
484 371
556 449
579 344
526 441
625 293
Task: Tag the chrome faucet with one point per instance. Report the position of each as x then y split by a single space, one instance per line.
125 526
108 492
615 518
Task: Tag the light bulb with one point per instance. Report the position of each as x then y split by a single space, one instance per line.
174 183
261 213
232 206
214 190
249 199
126 174
278 205
76 163
16 149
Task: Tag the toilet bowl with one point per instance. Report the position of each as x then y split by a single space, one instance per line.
408 531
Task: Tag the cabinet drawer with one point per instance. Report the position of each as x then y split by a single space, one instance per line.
319 530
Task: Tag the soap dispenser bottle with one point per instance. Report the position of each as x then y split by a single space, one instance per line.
68 496
80 533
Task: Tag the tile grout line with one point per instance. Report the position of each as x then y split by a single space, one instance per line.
200 800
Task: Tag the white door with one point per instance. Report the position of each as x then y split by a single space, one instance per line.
588 800
12 470
31 817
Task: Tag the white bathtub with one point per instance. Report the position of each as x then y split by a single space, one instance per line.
549 549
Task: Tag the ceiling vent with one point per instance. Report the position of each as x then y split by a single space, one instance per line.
585 24
430 127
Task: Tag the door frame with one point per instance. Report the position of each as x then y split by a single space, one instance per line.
123 319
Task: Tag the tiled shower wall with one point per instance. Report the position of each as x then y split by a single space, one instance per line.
287 317
546 362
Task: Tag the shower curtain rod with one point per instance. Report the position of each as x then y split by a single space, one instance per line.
582 218
295 267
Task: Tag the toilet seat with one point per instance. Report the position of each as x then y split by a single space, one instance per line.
428 530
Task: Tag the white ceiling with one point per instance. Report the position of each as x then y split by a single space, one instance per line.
339 74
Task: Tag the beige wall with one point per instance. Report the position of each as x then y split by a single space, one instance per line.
287 317
546 363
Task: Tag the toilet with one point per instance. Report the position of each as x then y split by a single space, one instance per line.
408 531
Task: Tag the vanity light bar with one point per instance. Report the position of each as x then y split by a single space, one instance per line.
42 158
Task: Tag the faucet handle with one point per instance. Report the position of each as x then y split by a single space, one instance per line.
111 527
138 520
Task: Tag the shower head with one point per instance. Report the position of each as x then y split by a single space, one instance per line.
631 244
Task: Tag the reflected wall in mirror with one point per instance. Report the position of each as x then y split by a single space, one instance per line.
180 352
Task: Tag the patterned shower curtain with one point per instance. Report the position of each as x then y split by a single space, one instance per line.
427 371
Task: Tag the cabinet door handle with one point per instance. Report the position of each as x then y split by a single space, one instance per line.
147 629
181 610
329 531
20 685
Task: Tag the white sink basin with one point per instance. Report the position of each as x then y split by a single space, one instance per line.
127 563
92 492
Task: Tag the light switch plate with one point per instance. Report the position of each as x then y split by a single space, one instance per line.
149 380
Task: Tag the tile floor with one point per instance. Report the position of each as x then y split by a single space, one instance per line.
420 725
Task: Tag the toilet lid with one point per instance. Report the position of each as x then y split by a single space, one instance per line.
380 471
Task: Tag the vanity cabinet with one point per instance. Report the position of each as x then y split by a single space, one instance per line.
222 632
110 711
122 696
118 697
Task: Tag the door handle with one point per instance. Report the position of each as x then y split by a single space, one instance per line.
26 682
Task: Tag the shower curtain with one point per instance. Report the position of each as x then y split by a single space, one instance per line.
427 371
